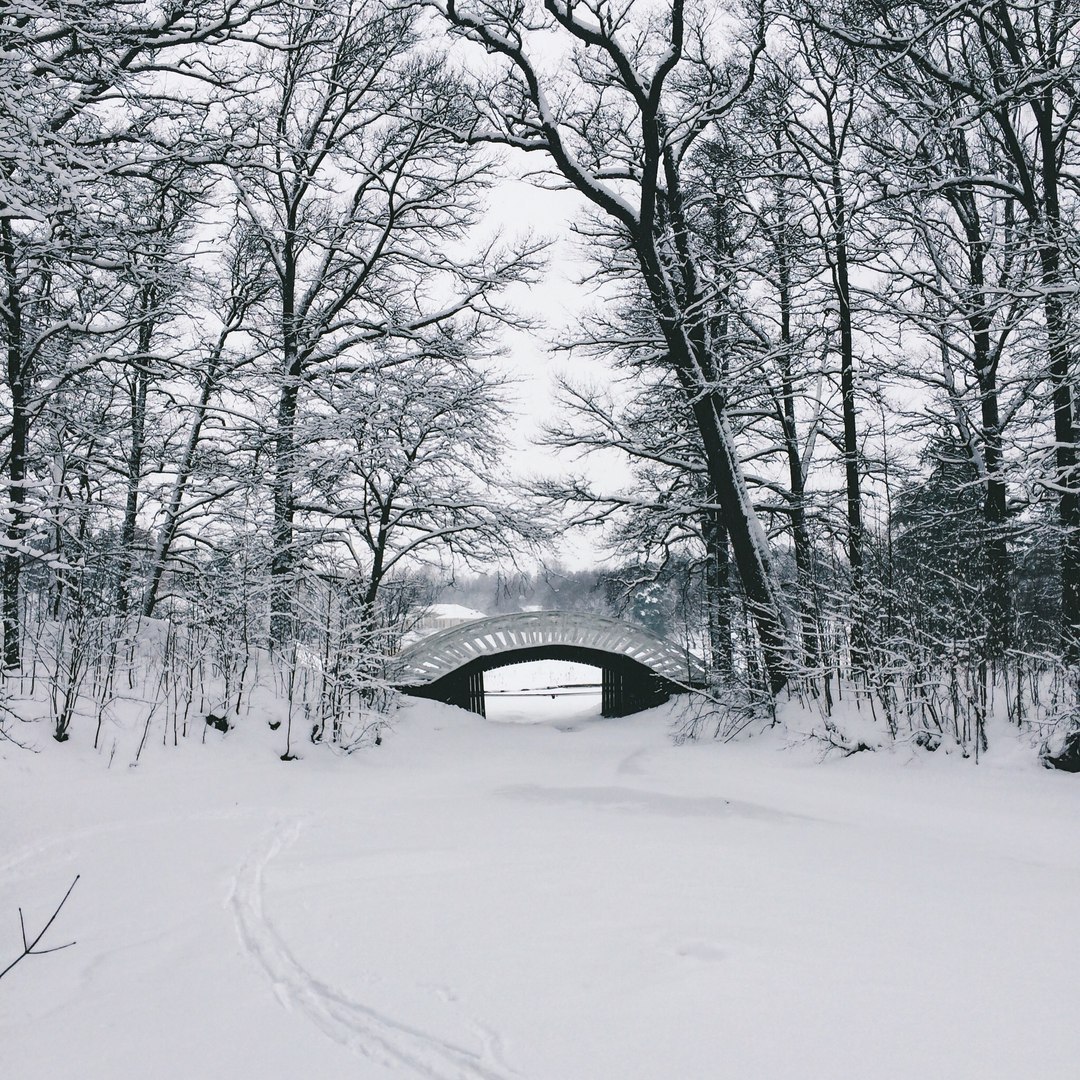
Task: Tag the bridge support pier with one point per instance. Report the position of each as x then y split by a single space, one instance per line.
625 691
465 689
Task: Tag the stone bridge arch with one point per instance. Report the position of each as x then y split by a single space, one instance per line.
638 669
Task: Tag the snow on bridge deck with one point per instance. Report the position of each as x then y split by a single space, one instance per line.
442 653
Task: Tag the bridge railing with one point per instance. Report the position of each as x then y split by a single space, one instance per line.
441 653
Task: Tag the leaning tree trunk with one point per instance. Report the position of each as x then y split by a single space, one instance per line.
657 234
749 546
717 587
682 313
185 467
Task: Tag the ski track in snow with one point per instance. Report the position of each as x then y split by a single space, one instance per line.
358 1027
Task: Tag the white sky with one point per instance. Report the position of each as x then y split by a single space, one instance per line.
557 303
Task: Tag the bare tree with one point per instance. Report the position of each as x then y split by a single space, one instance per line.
666 513
346 174
242 285
953 249
406 469
1013 68
814 92
84 98
617 122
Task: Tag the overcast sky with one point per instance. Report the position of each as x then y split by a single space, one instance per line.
558 303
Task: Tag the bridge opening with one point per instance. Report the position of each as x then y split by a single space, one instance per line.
536 691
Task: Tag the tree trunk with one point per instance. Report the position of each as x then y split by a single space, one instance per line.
137 391
842 285
184 467
995 507
682 313
717 589
283 555
800 533
1058 348
658 234
20 435
749 545
282 558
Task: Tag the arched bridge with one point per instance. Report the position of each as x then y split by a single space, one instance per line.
638 669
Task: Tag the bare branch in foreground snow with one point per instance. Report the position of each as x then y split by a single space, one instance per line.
30 948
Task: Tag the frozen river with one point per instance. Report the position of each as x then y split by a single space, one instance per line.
542 691
552 897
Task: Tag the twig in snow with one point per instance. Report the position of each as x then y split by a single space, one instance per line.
30 948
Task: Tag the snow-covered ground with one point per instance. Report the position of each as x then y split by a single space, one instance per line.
575 899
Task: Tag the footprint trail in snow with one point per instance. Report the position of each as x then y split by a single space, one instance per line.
362 1029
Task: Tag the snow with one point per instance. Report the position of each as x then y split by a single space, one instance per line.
570 899
453 611
439 617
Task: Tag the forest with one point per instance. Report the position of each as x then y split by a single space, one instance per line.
255 410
